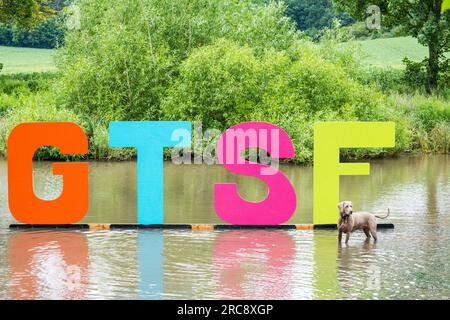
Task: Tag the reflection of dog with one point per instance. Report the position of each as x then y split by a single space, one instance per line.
350 221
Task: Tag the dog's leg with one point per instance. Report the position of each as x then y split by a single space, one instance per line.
366 231
373 232
347 237
340 236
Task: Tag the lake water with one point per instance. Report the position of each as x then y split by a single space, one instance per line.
412 261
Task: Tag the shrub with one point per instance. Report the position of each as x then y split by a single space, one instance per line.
416 73
121 61
388 80
16 88
428 118
26 82
440 137
224 84
97 133
430 111
34 108
218 85
6 35
47 34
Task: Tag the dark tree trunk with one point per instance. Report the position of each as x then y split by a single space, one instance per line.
433 66
434 50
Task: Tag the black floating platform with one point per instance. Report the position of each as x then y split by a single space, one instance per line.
334 227
150 226
182 226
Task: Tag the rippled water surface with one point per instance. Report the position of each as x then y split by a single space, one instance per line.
412 261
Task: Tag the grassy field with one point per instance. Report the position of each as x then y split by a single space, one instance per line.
391 51
379 53
26 60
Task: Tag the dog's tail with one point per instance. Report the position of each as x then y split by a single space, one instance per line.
388 213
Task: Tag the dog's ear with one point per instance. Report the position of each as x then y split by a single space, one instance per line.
340 206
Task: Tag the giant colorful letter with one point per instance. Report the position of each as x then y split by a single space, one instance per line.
150 137
23 142
329 137
280 203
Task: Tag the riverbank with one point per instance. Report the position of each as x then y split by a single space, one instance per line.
423 122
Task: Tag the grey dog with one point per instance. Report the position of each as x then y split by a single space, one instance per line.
350 221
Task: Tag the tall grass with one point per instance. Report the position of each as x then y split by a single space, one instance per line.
429 120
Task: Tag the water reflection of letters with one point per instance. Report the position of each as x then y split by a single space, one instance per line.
48 265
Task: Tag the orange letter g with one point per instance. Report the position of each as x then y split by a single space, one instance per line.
23 142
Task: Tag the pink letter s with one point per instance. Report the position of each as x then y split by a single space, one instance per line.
280 203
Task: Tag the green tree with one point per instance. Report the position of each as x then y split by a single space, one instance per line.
224 83
315 14
46 34
424 20
120 62
25 13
